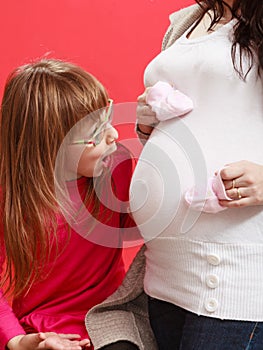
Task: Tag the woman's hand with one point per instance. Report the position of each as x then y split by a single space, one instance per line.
243 181
146 118
48 341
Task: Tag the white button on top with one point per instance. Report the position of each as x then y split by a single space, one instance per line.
211 304
212 281
213 259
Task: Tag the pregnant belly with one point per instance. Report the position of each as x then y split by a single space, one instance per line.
165 170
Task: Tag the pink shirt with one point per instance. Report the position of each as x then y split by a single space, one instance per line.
83 275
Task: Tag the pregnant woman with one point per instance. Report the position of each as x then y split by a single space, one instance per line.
203 275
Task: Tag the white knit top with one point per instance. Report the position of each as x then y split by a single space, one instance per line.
210 264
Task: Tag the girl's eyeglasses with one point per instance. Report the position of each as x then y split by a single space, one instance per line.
98 134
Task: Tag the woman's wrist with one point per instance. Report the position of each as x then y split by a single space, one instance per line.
144 129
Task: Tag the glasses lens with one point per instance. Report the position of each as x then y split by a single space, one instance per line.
101 124
97 138
99 133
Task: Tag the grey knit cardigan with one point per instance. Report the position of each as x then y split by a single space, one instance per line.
124 315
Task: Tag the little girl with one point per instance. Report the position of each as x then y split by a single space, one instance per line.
55 136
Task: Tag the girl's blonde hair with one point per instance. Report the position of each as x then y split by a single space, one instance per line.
42 101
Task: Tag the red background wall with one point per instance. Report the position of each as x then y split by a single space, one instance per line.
112 39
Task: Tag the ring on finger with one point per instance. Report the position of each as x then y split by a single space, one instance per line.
238 193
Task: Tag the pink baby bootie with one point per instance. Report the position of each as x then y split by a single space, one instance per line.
209 204
167 102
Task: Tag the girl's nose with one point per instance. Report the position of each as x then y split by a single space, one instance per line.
112 134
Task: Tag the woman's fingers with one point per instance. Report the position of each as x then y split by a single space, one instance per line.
238 193
142 97
243 182
233 170
145 114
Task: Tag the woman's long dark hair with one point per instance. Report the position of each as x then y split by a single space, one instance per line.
248 32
